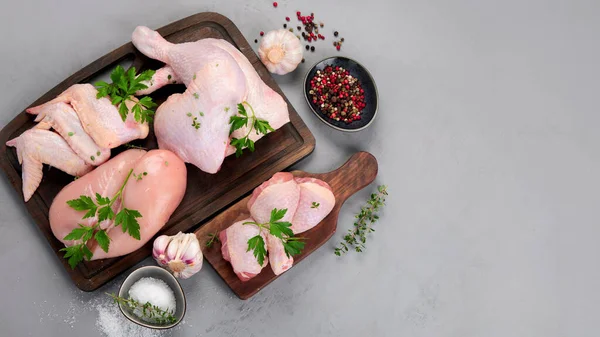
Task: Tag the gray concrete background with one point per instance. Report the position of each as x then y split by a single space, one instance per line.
487 138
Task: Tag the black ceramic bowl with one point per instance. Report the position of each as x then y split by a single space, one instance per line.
368 84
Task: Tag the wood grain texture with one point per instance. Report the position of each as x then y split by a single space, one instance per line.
359 171
206 194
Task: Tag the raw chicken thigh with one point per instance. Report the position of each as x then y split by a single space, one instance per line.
99 118
234 247
312 191
281 191
156 196
203 65
36 147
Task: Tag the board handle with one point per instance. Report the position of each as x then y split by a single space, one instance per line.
359 171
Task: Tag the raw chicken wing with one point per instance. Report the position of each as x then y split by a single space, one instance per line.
36 147
98 116
62 118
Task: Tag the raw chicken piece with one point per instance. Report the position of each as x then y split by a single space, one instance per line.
234 247
155 196
36 147
162 77
99 118
105 180
62 118
281 191
312 190
194 124
186 59
267 103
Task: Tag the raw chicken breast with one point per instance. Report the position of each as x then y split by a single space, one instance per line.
36 147
99 118
62 118
312 190
234 247
105 180
156 196
281 191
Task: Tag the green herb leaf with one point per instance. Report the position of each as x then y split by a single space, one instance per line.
74 254
257 245
102 239
281 229
241 120
277 214
315 205
84 203
126 218
124 85
293 247
105 212
76 233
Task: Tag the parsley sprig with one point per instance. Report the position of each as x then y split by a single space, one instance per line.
292 245
241 120
356 237
102 208
148 311
123 87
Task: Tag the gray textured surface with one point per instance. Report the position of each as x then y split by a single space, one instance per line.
487 137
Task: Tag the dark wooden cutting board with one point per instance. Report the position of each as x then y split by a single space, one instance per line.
206 194
359 171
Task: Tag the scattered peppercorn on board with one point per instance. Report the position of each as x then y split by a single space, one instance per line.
206 194
358 172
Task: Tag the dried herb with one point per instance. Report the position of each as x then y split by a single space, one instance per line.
357 237
150 312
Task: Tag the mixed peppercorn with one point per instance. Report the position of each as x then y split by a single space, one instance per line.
309 31
338 94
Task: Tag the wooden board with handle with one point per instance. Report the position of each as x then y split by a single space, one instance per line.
359 171
206 194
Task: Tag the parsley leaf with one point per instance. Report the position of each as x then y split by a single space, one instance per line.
280 229
84 203
124 85
257 245
102 239
126 218
315 204
242 119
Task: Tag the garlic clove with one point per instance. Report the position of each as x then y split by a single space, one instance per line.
280 51
180 254
159 248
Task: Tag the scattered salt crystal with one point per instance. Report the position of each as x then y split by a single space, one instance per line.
112 323
155 291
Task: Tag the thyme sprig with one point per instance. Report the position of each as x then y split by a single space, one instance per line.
212 239
149 312
356 237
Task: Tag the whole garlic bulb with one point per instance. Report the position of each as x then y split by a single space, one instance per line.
280 51
180 254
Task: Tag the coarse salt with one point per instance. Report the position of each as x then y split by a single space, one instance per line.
155 291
